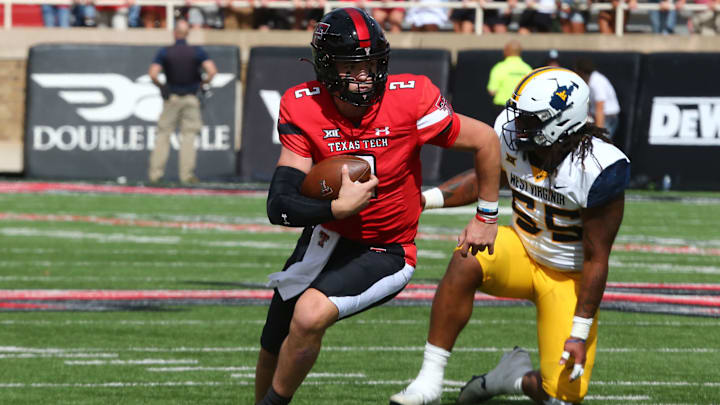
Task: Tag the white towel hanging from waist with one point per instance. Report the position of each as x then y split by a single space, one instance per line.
296 278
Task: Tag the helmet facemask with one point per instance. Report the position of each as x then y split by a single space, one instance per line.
524 130
548 105
344 86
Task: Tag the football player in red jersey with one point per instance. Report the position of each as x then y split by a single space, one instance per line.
356 251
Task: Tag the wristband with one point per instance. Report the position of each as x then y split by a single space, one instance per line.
488 214
487 207
433 198
581 327
486 219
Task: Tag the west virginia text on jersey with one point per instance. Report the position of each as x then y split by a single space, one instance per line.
546 211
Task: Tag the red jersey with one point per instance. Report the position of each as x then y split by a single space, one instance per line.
412 112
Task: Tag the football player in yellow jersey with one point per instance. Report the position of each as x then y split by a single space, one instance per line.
567 183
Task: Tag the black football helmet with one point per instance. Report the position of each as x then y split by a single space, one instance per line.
350 35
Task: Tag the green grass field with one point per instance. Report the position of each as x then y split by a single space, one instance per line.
205 354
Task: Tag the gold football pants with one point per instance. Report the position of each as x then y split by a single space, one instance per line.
511 273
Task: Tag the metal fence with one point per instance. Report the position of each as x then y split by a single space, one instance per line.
171 5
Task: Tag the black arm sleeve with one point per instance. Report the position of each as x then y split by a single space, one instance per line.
286 206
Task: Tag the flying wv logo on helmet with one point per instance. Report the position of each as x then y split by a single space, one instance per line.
560 96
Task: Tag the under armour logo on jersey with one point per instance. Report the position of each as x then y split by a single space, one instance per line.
331 133
322 238
382 131
510 159
284 217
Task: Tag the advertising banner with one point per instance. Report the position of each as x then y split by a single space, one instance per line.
92 114
677 129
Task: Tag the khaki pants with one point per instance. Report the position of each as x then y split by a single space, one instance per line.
182 111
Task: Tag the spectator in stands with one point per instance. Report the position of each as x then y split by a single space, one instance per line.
133 14
606 18
266 18
663 21
498 20
56 15
237 17
307 13
504 76
153 16
494 19
537 16
114 16
706 22
427 19
604 105
181 64
463 19
205 15
391 19
84 13
574 15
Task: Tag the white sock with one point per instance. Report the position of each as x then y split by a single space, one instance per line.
431 373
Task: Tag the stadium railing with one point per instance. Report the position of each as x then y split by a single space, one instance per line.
171 5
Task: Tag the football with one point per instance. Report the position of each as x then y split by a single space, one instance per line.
325 178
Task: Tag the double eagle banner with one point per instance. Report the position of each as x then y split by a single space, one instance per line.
92 112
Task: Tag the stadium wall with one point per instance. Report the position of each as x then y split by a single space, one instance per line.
17 42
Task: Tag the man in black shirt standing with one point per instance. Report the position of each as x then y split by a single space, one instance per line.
182 65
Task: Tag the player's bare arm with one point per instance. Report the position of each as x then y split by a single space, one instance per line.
462 189
600 226
482 139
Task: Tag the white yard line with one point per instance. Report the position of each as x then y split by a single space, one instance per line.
311 375
640 267
99 237
104 264
128 362
117 384
183 369
57 355
201 322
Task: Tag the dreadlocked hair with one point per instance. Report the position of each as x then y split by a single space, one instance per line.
578 145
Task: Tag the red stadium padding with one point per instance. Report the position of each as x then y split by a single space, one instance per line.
412 292
24 15
42 187
22 305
